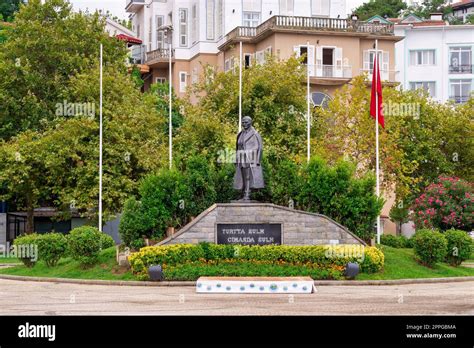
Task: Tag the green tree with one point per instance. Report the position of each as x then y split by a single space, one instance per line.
59 166
50 45
384 8
8 8
422 138
427 7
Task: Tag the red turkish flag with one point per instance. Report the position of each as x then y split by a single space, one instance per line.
376 91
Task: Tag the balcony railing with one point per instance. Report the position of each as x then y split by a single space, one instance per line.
460 69
458 99
309 24
159 54
330 71
385 75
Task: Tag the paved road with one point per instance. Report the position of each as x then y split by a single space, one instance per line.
33 298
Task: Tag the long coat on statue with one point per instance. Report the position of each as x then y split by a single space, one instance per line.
249 148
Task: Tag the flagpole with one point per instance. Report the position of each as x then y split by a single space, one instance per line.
170 91
377 165
100 144
308 106
240 87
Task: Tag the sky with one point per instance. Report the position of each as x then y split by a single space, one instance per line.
117 7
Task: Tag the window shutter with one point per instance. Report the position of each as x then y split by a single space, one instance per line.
311 61
319 61
366 61
210 20
296 49
338 67
385 66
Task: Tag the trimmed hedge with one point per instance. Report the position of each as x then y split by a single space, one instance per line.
370 259
85 244
26 245
430 247
49 247
396 241
459 247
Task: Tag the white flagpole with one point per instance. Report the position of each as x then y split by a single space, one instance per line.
240 88
100 145
308 96
170 121
377 166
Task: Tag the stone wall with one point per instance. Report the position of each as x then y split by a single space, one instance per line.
298 227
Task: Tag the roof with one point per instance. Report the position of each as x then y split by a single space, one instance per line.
47 212
379 18
463 3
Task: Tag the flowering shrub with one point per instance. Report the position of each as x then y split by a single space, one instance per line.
445 204
459 247
333 257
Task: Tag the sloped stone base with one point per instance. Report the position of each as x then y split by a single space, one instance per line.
298 227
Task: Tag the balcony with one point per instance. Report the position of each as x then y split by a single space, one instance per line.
134 5
158 57
388 77
304 25
460 69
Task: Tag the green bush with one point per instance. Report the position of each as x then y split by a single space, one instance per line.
430 247
106 241
134 224
26 247
459 246
396 241
51 247
164 198
371 259
337 193
84 244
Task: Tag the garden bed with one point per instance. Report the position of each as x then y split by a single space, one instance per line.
399 264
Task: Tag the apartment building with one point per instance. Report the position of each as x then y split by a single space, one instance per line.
436 56
462 10
210 32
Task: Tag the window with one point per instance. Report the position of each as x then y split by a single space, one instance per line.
183 27
460 90
383 59
422 57
287 7
429 86
320 8
460 60
160 80
260 57
268 51
251 19
150 24
160 35
138 30
194 24
247 60
219 18
227 65
210 12
194 76
183 81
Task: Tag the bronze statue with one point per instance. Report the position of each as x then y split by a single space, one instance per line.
248 173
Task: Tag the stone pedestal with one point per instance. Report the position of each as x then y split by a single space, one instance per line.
261 223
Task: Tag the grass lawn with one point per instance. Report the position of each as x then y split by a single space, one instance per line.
4 260
106 269
400 264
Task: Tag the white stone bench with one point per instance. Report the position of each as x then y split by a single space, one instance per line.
255 285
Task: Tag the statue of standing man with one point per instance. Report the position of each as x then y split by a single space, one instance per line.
248 173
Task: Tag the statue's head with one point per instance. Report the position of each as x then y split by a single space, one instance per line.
246 122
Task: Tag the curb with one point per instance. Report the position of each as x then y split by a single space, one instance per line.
193 283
